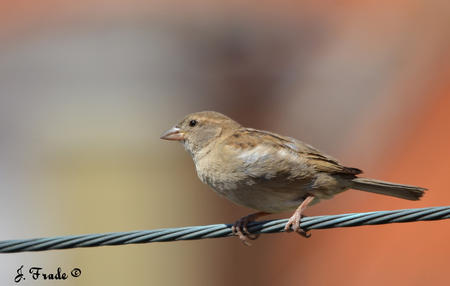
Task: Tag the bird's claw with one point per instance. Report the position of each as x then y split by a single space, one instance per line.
293 224
240 229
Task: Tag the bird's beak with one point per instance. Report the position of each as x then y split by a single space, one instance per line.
173 134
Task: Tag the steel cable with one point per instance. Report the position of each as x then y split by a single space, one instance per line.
222 230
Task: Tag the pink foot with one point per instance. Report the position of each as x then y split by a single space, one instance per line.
240 228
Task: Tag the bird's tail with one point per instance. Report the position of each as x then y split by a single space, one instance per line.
412 193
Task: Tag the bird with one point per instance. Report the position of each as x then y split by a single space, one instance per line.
268 172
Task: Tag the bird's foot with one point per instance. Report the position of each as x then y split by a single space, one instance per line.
239 228
293 224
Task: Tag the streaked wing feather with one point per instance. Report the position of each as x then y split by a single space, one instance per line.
250 139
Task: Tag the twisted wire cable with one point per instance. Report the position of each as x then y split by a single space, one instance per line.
223 230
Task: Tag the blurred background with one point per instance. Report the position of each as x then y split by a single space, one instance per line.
87 87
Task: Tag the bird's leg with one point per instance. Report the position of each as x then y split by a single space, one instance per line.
240 227
294 220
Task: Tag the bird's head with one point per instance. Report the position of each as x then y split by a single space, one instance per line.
198 130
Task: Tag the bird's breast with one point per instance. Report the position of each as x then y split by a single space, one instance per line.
256 193
217 176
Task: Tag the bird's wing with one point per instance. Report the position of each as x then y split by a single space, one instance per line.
263 150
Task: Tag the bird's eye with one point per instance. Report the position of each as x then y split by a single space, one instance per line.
192 123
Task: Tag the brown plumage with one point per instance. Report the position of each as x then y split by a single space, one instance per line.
268 172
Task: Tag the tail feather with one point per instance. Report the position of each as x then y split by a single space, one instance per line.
407 192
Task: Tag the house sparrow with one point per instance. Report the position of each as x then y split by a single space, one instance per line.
268 172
